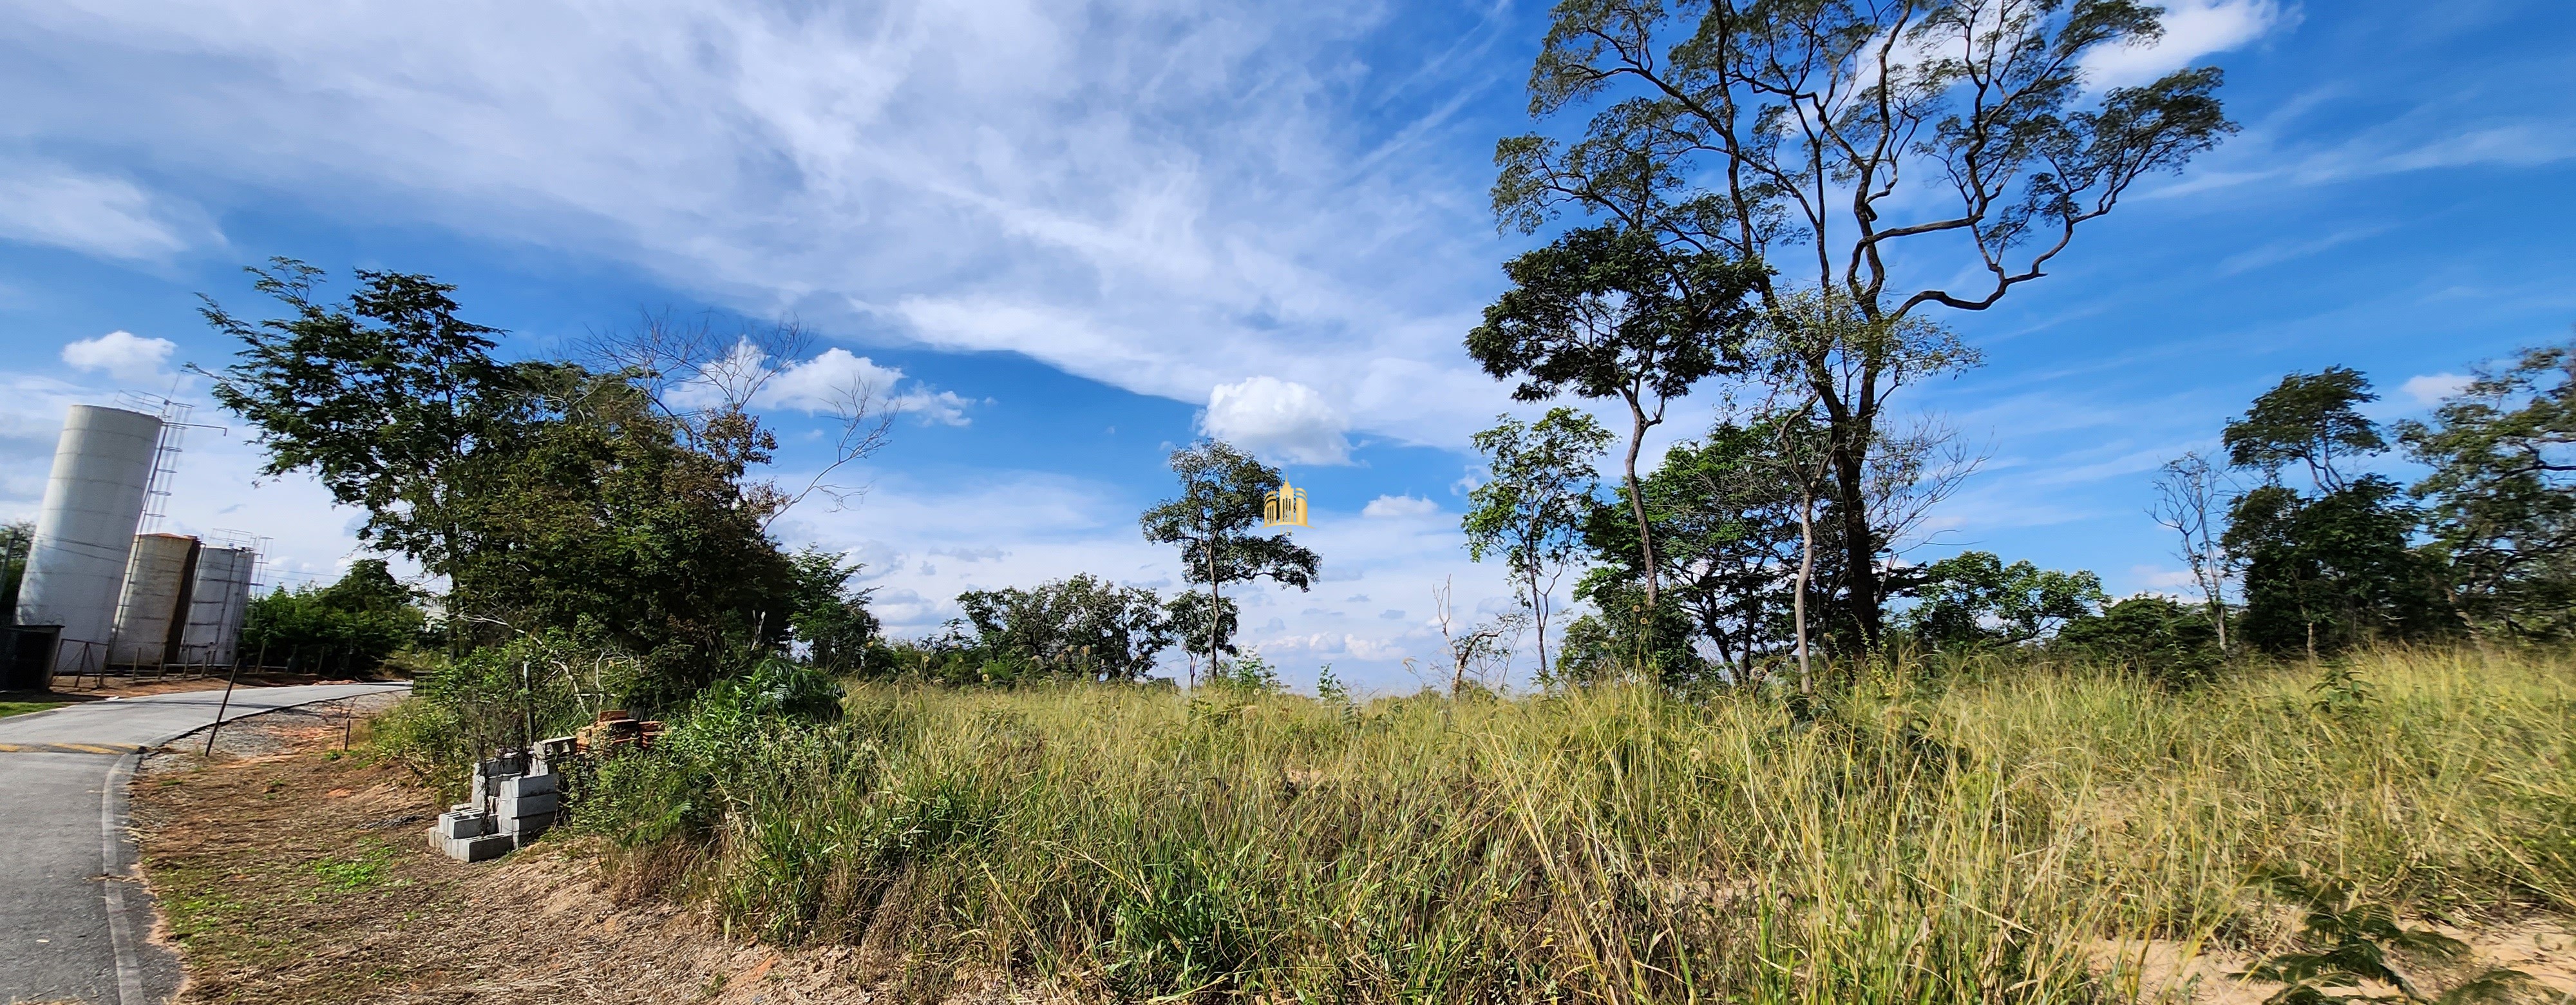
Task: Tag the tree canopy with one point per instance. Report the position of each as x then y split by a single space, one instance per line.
1213 522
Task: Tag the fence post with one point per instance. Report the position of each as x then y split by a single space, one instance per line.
220 709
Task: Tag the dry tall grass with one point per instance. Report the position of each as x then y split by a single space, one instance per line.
1920 843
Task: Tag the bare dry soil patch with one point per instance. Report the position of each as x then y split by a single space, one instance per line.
290 873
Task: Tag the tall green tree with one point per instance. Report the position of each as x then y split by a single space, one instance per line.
1530 510
1214 522
382 397
1832 139
2309 418
1829 367
2502 494
601 521
1083 626
2334 566
1607 312
1727 516
2331 571
828 616
1193 615
552 497
1974 599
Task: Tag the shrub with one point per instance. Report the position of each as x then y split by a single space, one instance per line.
2169 642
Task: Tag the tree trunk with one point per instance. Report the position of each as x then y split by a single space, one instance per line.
1637 498
1538 611
1216 607
1860 545
1806 573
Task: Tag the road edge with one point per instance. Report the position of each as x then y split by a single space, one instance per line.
118 843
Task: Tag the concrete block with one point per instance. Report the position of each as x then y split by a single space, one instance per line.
507 764
523 786
455 825
478 849
525 821
527 829
524 806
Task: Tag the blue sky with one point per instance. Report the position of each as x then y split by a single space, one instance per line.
1085 232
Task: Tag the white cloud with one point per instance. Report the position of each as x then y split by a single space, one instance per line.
943 407
2431 388
1162 197
2193 28
831 380
826 381
1278 418
2163 580
1398 507
120 354
822 383
91 214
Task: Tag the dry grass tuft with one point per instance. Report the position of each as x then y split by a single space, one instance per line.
1922 841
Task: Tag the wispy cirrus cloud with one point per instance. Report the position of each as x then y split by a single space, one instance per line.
2277 252
1161 197
94 214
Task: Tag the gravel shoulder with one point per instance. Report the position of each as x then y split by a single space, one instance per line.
291 873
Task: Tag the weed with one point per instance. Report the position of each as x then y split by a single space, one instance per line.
359 873
2341 692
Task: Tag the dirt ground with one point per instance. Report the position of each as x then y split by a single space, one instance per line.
289 873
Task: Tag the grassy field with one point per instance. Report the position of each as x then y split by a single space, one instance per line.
10 708
2007 836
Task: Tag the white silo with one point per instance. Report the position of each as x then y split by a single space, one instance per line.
85 530
216 605
153 615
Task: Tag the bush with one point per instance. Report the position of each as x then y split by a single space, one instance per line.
777 687
502 698
353 625
2169 642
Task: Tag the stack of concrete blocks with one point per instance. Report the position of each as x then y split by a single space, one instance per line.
515 800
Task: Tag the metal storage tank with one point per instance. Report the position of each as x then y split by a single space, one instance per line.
85 529
216 605
154 613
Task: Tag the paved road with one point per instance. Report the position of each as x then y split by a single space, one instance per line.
68 931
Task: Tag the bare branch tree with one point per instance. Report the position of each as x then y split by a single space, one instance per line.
1482 652
865 421
693 370
709 380
2187 502
1913 472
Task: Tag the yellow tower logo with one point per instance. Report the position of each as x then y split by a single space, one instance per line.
1285 507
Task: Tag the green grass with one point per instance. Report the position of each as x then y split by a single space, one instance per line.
1975 841
356 873
10 708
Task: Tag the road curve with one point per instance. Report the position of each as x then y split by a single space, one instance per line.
73 923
